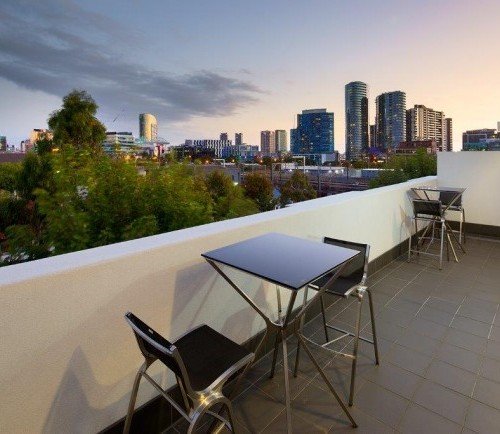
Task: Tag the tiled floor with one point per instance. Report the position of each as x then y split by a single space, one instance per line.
439 339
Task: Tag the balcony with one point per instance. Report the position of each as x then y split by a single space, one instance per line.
68 358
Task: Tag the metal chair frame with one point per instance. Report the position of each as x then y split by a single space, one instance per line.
432 220
196 402
357 291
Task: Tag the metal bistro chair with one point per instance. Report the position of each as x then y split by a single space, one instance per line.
446 197
202 361
431 212
351 282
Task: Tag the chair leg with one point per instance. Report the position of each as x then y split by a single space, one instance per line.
275 355
409 247
297 355
133 397
374 332
443 229
355 352
324 318
462 222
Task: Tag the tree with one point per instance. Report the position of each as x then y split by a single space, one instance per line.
297 189
75 123
259 188
229 200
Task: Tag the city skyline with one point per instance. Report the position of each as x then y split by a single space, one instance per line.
239 80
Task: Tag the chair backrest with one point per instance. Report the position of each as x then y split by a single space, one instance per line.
357 268
427 207
154 346
446 198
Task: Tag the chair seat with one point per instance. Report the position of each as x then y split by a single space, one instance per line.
340 287
207 354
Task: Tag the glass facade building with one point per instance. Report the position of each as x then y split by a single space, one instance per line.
314 133
356 119
390 119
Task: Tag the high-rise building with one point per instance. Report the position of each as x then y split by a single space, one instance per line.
224 136
477 140
356 119
373 136
390 119
267 143
238 139
3 143
423 123
148 127
314 133
448 135
281 140
121 141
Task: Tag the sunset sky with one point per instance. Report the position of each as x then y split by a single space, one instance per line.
203 67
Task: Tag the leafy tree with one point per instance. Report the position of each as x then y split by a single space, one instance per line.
229 200
259 188
75 123
9 174
297 189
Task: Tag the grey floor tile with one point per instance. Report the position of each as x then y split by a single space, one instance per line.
418 342
460 357
490 369
466 340
381 404
487 392
397 317
454 378
443 305
494 334
442 400
395 379
387 330
366 424
493 349
405 305
476 313
482 418
434 315
409 359
279 425
256 410
428 328
471 326
317 407
418 420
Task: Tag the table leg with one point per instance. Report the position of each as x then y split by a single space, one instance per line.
297 355
325 379
287 384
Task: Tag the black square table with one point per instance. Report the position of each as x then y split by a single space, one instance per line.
291 263
457 192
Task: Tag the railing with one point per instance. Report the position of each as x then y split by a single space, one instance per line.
68 359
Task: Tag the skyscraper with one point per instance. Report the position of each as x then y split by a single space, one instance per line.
280 140
238 139
3 143
448 135
223 136
356 119
148 127
390 119
423 123
267 143
314 133
373 136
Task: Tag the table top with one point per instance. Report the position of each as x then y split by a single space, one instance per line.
439 189
288 261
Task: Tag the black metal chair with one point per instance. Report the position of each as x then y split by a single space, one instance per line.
202 361
351 282
430 212
452 202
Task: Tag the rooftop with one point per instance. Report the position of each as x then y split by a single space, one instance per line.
439 338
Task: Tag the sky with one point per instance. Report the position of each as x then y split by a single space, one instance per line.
205 67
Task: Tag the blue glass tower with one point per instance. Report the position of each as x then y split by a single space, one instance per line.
390 119
356 119
314 133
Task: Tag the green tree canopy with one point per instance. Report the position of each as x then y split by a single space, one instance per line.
258 187
75 123
297 189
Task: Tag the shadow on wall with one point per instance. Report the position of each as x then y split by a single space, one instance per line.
82 402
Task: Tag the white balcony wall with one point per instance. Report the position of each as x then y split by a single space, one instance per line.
479 172
68 358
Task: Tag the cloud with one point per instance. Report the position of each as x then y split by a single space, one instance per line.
55 46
